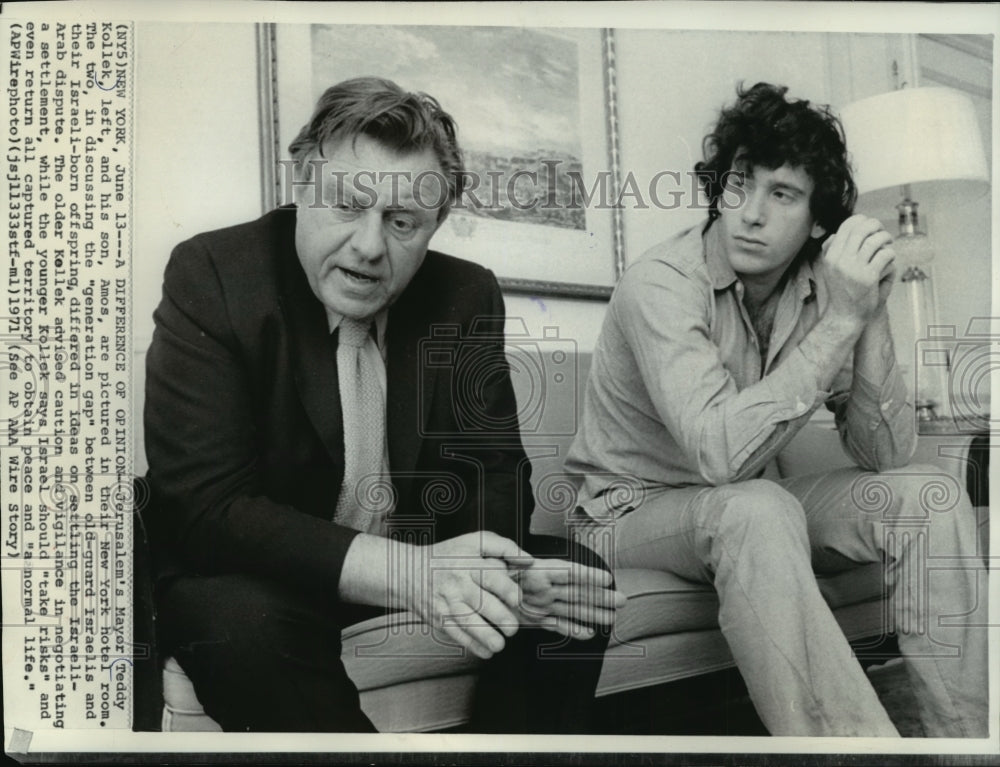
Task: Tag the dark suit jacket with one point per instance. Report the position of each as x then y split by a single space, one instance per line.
243 424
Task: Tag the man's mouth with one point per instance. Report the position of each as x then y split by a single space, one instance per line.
360 277
748 240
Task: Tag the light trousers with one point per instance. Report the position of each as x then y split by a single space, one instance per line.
759 542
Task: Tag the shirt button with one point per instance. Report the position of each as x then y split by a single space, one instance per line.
886 404
801 407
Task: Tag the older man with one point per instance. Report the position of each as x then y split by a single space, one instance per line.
295 429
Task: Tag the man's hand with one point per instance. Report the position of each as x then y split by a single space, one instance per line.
567 597
463 586
858 265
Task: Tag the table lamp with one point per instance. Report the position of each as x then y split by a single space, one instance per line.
904 143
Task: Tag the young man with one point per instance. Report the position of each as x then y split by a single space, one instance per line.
718 346
298 437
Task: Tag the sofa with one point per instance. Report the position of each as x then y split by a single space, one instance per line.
666 632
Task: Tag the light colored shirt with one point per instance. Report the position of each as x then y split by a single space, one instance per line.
677 395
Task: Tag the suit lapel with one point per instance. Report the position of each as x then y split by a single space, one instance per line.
410 386
411 382
314 357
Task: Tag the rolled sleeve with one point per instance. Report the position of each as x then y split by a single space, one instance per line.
875 422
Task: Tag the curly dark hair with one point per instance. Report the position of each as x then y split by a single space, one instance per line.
768 130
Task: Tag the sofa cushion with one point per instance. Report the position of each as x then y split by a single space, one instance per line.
658 603
549 387
407 647
662 603
663 658
182 711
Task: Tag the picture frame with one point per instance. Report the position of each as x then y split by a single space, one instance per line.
561 127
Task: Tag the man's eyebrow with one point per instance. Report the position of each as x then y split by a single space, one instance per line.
786 185
402 199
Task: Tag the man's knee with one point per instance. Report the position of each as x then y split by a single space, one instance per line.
915 492
923 497
255 615
260 656
761 510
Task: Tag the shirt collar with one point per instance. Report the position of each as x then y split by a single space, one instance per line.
719 271
333 320
722 275
805 280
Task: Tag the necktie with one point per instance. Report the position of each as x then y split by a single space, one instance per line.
364 428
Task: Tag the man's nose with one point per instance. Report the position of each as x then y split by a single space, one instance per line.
752 211
368 239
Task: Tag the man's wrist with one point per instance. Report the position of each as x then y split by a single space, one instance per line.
406 566
844 324
876 331
379 571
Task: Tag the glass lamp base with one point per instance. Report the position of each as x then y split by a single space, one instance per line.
926 410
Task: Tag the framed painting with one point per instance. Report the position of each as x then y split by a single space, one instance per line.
536 116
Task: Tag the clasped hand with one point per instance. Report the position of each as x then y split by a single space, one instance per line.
479 588
859 266
567 597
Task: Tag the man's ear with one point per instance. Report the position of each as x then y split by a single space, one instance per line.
817 232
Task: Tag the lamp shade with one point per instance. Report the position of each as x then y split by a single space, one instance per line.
915 136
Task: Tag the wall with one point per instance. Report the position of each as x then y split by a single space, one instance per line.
197 165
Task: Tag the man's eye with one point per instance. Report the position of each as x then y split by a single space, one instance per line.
344 209
402 224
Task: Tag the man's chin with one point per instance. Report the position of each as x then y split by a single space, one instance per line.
353 306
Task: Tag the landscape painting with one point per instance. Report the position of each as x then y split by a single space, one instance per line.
534 112
520 114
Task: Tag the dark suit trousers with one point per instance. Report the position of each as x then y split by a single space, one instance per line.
264 658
